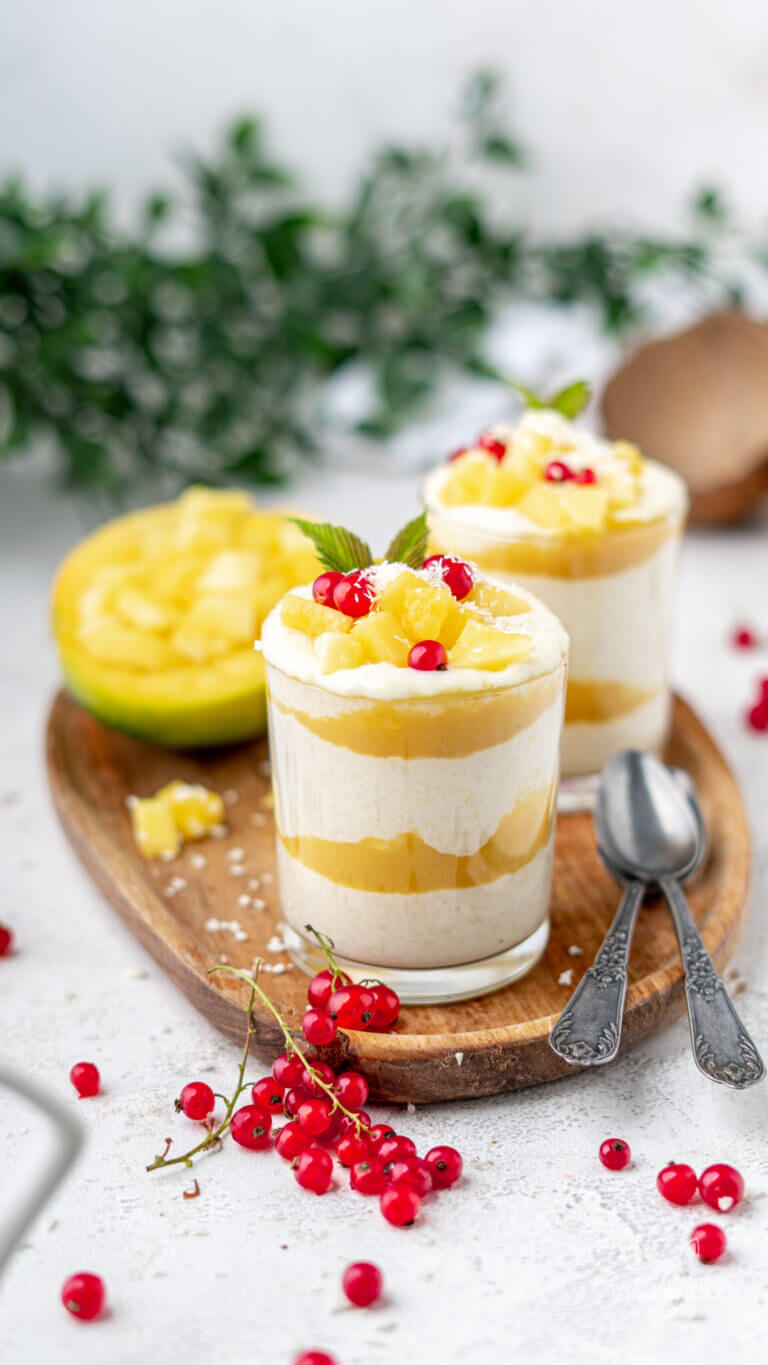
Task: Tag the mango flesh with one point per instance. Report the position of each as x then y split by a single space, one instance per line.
178 811
155 616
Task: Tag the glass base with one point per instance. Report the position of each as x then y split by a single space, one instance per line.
434 985
577 793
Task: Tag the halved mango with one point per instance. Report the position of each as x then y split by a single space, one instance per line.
155 616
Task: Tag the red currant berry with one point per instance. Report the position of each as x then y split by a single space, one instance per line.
250 1127
294 1099
400 1204
493 446
585 476
708 1241
6 940
743 638
362 1283
721 1186
270 1094
314 1358
353 597
380 1133
456 574
86 1079
351 1007
395 1149
83 1295
288 1070
677 1183
324 586
445 1166
321 987
386 1006
323 1072
315 1116
351 1150
334 1130
352 1089
557 472
615 1154
291 1141
314 1170
319 1027
414 1171
457 454
428 656
757 717
196 1100
367 1177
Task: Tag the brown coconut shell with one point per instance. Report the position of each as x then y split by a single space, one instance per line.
698 401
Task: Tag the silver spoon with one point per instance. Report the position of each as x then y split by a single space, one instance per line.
588 1032
650 829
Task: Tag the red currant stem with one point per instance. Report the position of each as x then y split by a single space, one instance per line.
327 946
214 1135
290 1042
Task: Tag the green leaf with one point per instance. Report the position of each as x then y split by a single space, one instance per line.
499 147
337 548
409 546
572 400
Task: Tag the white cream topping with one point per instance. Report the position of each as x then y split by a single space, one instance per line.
292 652
662 492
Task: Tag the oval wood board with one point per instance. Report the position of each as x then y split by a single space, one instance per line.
476 1047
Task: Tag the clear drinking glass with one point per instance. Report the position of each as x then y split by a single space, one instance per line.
417 834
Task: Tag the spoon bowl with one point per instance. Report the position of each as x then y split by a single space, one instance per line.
648 825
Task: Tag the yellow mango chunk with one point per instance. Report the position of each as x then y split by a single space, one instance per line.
126 647
312 618
425 611
382 639
507 486
470 479
585 504
498 601
334 651
481 646
196 809
542 506
154 827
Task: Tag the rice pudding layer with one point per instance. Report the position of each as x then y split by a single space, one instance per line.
601 554
415 810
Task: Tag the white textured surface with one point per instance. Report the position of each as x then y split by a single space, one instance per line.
539 1255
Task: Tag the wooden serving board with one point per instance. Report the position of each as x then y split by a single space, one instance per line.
476 1047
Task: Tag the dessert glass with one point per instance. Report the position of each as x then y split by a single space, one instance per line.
415 813
612 589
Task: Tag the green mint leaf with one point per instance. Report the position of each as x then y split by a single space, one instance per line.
409 546
337 548
571 400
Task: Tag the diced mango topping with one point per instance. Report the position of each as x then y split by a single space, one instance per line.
178 811
481 646
311 618
382 638
519 479
334 651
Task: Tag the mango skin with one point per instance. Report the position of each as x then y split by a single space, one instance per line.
204 705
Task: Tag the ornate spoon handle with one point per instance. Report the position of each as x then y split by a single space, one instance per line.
588 1031
722 1047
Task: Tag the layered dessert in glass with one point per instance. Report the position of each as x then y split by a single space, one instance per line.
592 529
414 751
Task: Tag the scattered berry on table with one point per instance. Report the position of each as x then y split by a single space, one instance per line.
291 1141
414 1171
677 1182
362 1283
757 717
428 656
314 1170
721 1186
269 1093
379 1133
394 1149
196 1100
288 1070
615 1154
352 1089
400 1205
6 940
319 1027
351 1149
445 1166
743 638
708 1241
86 1079
250 1127
367 1177
314 1358
83 1295
315 1116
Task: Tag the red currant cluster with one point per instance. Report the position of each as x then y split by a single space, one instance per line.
335 1002
720 1186
491 444
350 593
559 472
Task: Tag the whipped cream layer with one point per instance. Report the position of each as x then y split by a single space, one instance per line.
422 930
292 652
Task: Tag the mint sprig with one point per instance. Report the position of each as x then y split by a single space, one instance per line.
409 546
337 548
569 402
